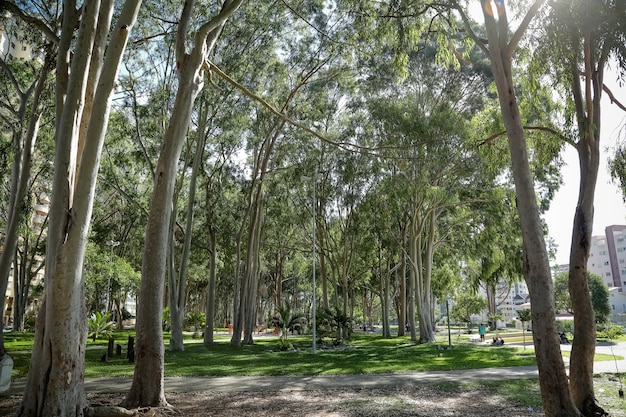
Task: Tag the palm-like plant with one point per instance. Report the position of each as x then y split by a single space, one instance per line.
286 320
100 325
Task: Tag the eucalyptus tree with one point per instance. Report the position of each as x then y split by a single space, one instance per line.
26 91
582 38
500 46
85 76
300 63
192 62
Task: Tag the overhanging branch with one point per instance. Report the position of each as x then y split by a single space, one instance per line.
540 128
612 97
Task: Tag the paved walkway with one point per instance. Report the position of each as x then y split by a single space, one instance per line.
295 383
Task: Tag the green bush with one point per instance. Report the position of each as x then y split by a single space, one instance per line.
609 331
29 321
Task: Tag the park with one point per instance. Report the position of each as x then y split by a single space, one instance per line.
308 189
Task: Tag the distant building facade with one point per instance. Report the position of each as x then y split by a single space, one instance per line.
607 256
13 42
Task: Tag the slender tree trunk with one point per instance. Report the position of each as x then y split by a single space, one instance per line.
583 346
178 298
491 304
413 254
322 267
402 316
553 380
210 299
385 301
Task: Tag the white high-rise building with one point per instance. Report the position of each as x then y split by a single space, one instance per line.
607 256
13 42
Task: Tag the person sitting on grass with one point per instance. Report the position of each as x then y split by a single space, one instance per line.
497 340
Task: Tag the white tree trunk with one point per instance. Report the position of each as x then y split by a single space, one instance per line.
55 379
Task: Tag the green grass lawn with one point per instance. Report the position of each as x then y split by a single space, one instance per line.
363 354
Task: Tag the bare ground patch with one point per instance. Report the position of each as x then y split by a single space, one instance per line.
413 401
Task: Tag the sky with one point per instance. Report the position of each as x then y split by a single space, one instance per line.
609 205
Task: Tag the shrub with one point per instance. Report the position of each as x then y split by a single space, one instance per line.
100 325
609 331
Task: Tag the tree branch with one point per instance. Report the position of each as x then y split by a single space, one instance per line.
481 43
342 145
540 128
608 91
517 36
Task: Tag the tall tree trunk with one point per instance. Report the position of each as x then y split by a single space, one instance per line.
321 249
180 283
402 300
411 302
553 380
147 386
384 291
55 379
587 107
210 299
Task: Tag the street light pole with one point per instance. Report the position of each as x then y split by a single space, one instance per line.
113 244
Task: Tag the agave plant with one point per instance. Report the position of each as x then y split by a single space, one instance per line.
100 325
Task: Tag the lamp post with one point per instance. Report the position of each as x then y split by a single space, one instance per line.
113 244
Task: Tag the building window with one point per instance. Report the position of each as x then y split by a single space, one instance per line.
606 263
23 48
613 306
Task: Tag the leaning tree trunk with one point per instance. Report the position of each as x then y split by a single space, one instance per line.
553 380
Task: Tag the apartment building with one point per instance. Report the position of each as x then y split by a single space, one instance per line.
13 42
607 256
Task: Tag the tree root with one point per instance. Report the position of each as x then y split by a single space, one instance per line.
115 411
108 411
